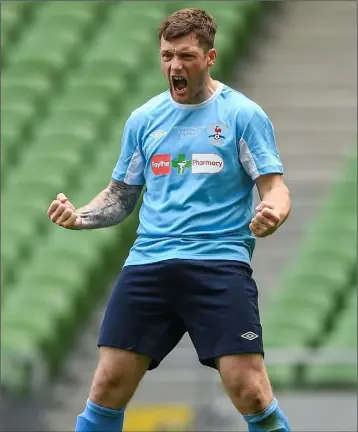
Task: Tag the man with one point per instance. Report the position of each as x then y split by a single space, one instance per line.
199 148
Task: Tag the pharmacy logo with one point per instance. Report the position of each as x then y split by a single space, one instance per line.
180 163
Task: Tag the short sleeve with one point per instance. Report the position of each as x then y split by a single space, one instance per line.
130 165
258 152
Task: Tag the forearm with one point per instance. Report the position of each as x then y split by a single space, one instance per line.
279 196
109 207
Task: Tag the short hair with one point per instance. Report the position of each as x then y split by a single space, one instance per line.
190 20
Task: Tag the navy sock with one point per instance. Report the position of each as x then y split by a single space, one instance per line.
99 419
272 419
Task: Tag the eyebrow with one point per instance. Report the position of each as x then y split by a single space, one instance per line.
182 51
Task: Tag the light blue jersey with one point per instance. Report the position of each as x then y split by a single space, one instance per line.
199 164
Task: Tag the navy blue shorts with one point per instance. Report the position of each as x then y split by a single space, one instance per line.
153 305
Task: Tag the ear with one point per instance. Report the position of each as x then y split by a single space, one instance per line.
211 57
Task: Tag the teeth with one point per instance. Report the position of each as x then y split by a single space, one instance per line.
177 78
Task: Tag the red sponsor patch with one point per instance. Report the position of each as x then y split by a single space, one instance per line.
160 164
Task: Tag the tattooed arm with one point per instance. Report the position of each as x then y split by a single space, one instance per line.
109 207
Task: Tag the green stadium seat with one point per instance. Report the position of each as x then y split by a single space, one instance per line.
68 283
311 300
282 342
35 319
306 323
18 234
126 61
10 136
93 86
86 100
82 133
26 110
51 55
32 196
18 94
64 25
81 11
67 149
71 159
150 86
23 369
27 88
351 302
9 16
19 117
303 277
8 249
59 303
342 342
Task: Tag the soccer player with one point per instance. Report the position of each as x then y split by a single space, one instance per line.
199 148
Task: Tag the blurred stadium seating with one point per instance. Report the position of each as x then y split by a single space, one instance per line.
70 78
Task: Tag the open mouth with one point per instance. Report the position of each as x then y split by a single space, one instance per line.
180 84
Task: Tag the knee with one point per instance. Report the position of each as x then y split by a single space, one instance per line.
250 390
252 397
106 379
108 385
116 378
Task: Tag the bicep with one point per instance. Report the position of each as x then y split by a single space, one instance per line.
130 165
121 189
257 147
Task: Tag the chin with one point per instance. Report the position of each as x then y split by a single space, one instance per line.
183 99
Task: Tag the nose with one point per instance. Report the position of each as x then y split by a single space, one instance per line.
176 65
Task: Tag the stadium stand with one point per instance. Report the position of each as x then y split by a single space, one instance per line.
74 93
340 346
37 66
303 311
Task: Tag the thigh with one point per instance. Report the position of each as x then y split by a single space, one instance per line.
139 315
220 309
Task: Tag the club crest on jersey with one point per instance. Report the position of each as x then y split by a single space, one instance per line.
217 133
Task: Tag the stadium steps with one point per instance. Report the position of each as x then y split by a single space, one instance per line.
304 76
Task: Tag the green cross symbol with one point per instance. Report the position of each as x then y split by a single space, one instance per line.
181 163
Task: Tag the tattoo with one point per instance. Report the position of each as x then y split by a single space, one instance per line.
111 206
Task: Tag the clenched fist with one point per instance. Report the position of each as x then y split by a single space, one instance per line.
63 213
266 220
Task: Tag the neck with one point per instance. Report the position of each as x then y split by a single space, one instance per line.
208 89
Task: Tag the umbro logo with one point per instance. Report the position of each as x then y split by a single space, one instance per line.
249 336
158 134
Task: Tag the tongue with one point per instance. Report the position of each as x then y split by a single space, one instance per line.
180 84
